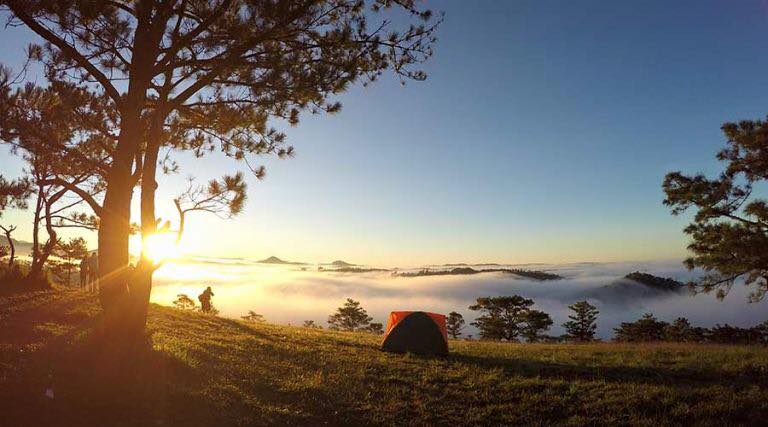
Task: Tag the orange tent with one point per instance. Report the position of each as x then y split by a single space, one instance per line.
417 332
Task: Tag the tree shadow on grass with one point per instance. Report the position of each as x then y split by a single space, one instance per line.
85 379
98 381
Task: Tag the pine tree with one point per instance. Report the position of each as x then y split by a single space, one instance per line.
583 323
254 317
310 324
70 251
509 318
761 332
535 323
681 330
184 302
349 317
729 231
454 324
645 329
204 76
11 247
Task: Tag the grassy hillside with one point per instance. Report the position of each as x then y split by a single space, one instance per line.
200 370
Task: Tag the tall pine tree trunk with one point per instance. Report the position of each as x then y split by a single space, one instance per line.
141 287
116 279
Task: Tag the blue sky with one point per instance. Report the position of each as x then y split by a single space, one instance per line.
542 135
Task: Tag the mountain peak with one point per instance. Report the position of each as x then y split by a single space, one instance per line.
340 263
276 260
273 260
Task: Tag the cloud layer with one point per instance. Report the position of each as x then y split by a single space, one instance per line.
286 294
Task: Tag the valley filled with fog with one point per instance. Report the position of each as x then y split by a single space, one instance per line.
292 293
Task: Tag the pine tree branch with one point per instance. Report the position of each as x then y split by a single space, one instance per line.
18 10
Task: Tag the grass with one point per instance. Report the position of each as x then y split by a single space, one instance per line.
201 370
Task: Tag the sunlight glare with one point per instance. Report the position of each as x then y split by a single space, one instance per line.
161 247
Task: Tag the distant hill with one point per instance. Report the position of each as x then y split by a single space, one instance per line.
530 274
340 263
276 260
635 287
462 264
352 270
656 282
22 247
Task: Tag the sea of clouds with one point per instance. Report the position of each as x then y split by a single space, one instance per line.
290 294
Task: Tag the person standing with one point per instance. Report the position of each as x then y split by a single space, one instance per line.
84 272
205 300
93 272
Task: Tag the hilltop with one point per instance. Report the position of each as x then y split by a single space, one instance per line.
656 282
199 370
276 260
22 247
529 274
342 264
637 286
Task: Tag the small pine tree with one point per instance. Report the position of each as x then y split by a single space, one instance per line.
311 324
454 323
761 332
681 330
254 317
583 323
508 318
535 323
69 251
349 317
646 329
184 302
727 334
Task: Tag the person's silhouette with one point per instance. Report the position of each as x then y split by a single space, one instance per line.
93 272
205 300
84 271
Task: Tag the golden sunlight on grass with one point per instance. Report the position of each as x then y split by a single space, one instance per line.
161 247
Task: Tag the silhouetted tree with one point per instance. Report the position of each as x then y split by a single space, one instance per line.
509 318
583 323
730 227
681 331
13 194
184 302
535 323
761 332
40 125
454 324
645 329
196 75
11 247
349 317
311 324
70 251
254 317
727 334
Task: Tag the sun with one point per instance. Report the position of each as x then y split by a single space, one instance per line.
161 247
